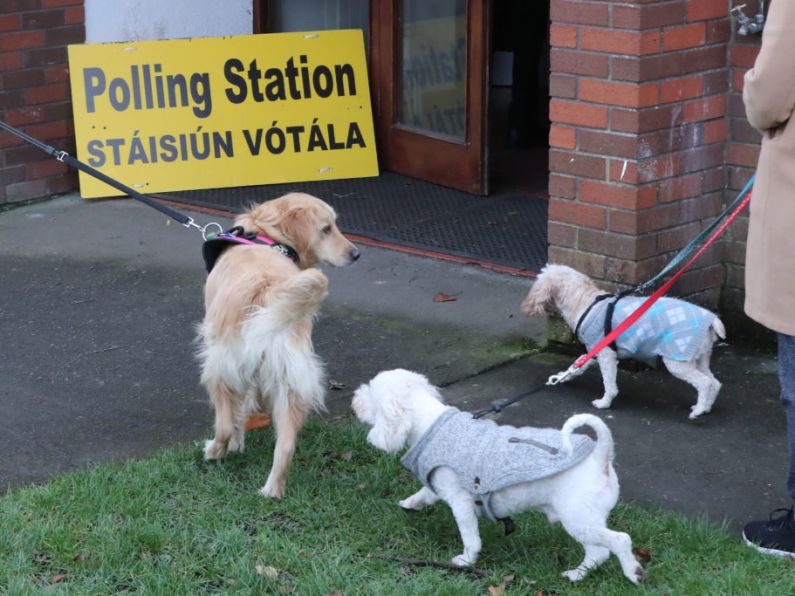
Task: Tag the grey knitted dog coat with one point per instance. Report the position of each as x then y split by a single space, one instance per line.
489 457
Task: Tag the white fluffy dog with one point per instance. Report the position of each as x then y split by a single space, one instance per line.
680 332
403 407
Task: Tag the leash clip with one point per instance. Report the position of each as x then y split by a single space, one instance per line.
204 229
60 155
562 377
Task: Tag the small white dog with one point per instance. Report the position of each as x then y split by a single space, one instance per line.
680 332
454 457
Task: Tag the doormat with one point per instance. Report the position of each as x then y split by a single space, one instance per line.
508 229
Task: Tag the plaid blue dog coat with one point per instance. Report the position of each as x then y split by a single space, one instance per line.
671 328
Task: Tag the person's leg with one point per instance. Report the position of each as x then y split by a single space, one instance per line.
777 535
786 376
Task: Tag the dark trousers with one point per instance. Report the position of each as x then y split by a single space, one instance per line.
786 376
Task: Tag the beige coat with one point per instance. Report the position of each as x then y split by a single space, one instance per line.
769 96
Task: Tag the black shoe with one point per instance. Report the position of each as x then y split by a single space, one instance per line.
775 536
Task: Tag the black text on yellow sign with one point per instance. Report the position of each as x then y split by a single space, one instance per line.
219 112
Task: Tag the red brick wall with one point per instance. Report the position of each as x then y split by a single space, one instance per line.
34 94
638 135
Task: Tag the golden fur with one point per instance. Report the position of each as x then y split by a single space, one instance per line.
256 337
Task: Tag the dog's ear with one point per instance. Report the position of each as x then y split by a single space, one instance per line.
388 437
298 226
362 404
539 299
391 425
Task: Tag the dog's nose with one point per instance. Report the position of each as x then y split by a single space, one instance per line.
354 254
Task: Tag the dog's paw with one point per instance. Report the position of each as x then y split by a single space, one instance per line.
697 411
602 404
461 561
213 450
575 575
636 574
237 444
271 491
410 504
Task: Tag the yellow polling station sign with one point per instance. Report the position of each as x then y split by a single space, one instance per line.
217 112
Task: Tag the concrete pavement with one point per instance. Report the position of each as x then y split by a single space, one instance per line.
99 299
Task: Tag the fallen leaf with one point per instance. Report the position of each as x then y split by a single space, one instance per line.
301 553
642 554
57 579
79 557
336 385
347 456
444 298
361 486
267 571
499 590
335 592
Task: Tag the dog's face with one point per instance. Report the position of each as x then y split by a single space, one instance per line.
385 413
386 403
553 288
307 224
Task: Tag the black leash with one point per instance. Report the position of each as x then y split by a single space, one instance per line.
64 157
499 407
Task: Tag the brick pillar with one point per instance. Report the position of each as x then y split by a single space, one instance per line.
741 158
637 139
34 94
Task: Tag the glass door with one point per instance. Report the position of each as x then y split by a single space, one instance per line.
428 67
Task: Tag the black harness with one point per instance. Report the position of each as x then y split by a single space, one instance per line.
214 247
608 325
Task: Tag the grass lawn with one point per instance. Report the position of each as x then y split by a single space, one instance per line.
175 524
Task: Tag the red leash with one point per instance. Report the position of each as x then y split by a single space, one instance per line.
630 320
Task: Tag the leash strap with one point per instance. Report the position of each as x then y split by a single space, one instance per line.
646 305
695 242
175 215
64 157
499 407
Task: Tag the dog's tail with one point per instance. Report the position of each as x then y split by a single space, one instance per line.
287 356
603 451
718 328
299 297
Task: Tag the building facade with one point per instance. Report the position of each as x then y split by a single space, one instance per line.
627 115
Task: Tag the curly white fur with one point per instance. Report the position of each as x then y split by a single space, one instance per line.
400 406
568 292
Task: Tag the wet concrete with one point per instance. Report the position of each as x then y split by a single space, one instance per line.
99 299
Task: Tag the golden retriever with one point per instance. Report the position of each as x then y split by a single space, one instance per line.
256 337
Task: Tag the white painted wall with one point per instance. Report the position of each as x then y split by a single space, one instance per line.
135 20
